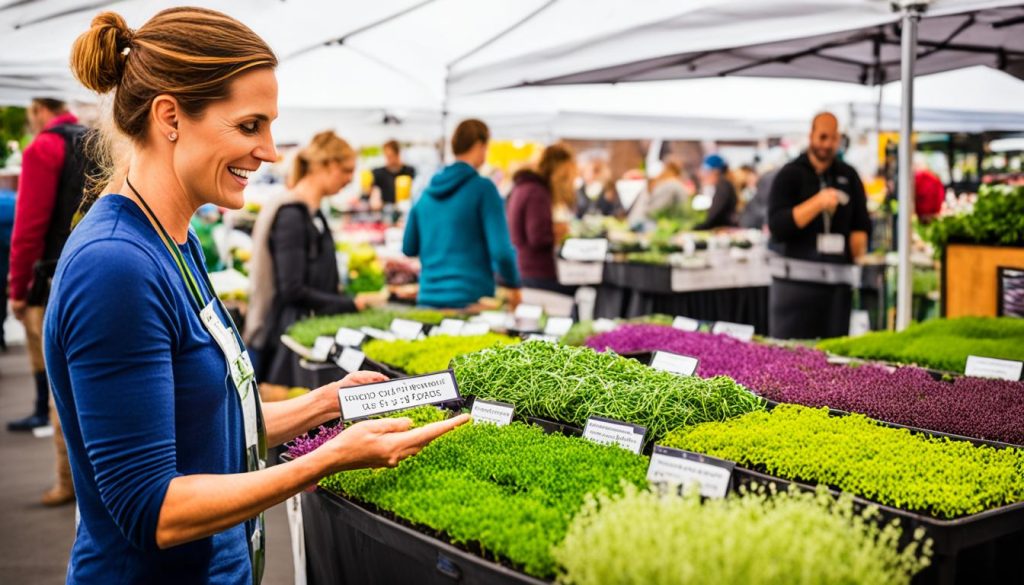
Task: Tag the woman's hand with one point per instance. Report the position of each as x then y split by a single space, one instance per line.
382 442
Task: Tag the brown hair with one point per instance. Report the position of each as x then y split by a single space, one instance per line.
553 157
54 105
393 146
325 148
467 134
192 54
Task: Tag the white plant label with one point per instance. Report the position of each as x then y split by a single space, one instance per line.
558 326
530 312
576 273
351 360
681 468
541 337
735 330
322 348
381 397
406 329
346 337
378 333
585 249
604 325
683 365
612 432
487 411
478 328
860 323
984 367
686 324
449 327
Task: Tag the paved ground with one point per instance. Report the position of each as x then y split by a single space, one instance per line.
35 540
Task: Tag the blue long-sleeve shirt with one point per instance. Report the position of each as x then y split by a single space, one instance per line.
143 395
458 230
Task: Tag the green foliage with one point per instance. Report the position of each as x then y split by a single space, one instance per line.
307 330
942 344
935 476
420 415
512 490
431 354
13 126
790 538
997 217
571 384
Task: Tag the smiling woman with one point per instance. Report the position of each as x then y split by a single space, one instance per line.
154 387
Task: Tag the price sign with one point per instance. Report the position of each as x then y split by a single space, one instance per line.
577 273
681 468
860 323
478 328
558 326
378 333
487 411
984 367
683 365
734 330
406 329
346 337
585 249
604 325
531 312
686 324
612 432
540 337
449 327
322 348
381 397
350 360
496 319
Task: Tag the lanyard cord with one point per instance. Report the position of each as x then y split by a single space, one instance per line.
172 247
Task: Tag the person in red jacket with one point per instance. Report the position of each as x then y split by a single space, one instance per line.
540 205
49 172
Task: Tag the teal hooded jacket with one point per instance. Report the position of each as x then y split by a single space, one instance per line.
457 228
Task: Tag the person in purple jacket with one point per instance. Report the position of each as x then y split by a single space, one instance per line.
540 206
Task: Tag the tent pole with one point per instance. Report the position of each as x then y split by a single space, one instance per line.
904 287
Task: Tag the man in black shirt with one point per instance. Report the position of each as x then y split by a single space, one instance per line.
384 177
817 211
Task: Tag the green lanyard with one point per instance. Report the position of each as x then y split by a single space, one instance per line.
186 273
254 456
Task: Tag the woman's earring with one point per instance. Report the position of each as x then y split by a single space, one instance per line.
172 136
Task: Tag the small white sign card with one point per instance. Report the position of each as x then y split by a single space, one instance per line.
984 367
378 333
477 328
734 330
346 337
860 323
686 324
488 411
612 432
381 397
683 365
558 326
542 337
675 467
322 348
448 327
406 329
350 360
585 249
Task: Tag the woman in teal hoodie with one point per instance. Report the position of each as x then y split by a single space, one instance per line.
458 229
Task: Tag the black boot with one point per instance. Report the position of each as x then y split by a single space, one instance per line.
41 416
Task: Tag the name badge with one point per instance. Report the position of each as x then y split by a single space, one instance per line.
239 366
831 244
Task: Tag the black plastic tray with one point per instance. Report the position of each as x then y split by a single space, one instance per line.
347 543
389 371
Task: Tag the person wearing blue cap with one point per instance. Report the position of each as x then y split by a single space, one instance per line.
715 181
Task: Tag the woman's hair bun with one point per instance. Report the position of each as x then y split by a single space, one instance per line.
98 55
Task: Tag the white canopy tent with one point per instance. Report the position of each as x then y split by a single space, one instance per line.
860 41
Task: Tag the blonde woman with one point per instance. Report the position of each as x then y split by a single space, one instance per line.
294 272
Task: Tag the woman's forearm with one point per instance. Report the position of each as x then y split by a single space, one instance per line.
197 506
288 419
